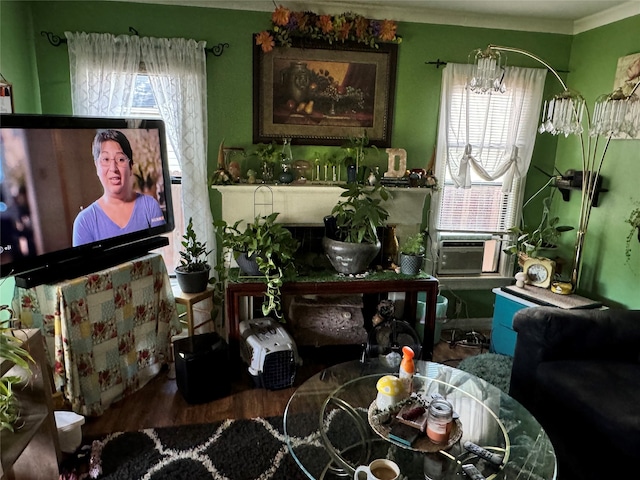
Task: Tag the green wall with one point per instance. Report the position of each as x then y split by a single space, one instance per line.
17 56
605 274
40 73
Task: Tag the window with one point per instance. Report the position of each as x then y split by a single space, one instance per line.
146 106
478 134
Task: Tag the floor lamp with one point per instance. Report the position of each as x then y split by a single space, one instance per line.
614 114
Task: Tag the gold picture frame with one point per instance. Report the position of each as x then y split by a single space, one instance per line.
324 94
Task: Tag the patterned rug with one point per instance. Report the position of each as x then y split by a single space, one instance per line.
491 367
233 449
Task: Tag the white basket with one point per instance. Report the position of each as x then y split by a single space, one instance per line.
69 426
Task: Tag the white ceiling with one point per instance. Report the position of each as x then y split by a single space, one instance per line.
553 16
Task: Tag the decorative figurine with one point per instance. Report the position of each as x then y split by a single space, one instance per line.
390 392
407 369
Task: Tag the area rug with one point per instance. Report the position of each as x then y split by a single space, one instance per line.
228 450
491 367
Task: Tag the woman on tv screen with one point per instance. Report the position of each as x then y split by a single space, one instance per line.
120 209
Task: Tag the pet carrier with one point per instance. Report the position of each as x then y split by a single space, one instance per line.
270 352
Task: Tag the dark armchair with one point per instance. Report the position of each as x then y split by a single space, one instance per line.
578 373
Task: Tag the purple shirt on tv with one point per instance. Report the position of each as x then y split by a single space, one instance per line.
92 224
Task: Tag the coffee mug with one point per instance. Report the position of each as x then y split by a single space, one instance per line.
380 469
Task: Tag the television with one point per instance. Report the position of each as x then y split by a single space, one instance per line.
65 212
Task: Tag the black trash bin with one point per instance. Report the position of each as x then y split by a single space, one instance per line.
202 367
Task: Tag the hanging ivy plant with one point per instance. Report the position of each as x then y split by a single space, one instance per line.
634 221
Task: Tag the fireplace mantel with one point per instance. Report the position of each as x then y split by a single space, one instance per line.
307 205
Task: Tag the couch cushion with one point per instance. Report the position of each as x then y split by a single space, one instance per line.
602 397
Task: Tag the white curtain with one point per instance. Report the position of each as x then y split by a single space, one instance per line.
492 134
103 70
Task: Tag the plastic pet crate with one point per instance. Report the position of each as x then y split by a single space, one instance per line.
270 352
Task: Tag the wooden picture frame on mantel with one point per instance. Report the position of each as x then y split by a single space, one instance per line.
324 94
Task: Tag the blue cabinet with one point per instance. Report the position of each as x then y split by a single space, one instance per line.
503 337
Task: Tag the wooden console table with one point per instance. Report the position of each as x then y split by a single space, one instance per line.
332 284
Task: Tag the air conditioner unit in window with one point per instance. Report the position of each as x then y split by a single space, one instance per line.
461 253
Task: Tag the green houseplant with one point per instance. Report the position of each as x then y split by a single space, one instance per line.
264 248
12 351
634 221
530 242
193 271
269 156
351 238
412 252
356 149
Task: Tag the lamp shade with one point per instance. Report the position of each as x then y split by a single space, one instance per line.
487 72
616 114
563 114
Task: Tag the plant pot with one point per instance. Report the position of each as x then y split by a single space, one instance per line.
410 264
248 265
350 258
192 282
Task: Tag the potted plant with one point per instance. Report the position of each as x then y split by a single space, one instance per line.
412 254
356 149
634 221
351 239
12 351
269 157
530 243
264 248
193 271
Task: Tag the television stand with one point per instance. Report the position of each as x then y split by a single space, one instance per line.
88 262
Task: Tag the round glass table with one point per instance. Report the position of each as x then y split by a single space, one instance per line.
333 410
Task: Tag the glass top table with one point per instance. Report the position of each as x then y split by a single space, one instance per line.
334 409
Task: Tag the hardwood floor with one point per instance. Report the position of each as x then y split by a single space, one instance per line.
160 404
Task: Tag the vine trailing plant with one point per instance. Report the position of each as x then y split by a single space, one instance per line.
634 221
272 247
288 26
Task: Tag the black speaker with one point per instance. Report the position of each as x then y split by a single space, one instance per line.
202 367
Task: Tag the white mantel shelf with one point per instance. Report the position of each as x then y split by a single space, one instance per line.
307 205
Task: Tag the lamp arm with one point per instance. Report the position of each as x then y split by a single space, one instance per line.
531 55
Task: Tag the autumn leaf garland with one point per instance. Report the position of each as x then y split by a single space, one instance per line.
288 25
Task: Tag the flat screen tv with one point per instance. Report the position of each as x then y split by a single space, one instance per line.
79 194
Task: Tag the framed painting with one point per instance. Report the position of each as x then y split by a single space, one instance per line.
324 94
628 77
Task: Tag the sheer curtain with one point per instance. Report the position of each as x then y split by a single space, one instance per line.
103 70
489 135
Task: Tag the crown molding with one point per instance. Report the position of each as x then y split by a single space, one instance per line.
614 14
417 14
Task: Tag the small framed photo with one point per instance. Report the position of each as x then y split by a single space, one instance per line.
6 97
